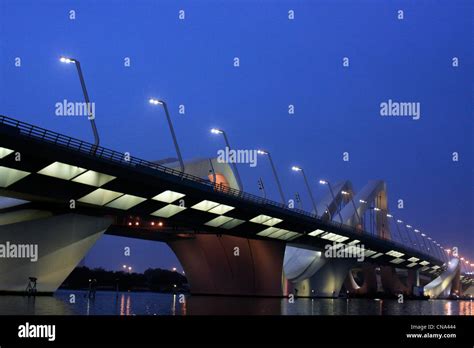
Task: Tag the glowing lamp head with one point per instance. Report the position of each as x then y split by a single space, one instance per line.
154 101
296 169
400 221
216 131
389 216
362 201
323 182
408 226
416 230
262 152
345 193
377 209
67 60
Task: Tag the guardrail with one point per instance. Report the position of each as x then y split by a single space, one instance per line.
103 153
84 147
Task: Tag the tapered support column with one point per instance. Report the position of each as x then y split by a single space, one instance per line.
228 265
447 283
393 285
51 247
369 285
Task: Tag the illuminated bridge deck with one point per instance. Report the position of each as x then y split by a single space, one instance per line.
55 169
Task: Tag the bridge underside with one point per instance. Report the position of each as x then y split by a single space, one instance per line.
214 264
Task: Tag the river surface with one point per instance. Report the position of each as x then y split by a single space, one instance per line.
66 302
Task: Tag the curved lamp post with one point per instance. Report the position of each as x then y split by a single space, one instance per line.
170 124
264 152
90 116
299 169
234 165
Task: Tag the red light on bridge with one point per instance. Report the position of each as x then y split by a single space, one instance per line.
160 224
129 224
153 223
137 223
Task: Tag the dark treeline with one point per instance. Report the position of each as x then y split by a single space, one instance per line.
159 280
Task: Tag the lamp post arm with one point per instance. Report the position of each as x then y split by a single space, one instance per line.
90 116
276 178
173 135
234 165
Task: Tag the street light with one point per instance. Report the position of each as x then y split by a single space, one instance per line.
234 164
299 169
408 236
345 193
264 152
424 242
170 124
326 182
416 237
432 247
398 228
90 116
407 228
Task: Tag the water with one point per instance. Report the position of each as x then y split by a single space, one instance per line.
147 303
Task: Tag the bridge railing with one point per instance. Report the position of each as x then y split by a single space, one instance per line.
103 153
100 152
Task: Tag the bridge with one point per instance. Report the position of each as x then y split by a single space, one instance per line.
62 194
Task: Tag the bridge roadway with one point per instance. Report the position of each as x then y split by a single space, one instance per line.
55 169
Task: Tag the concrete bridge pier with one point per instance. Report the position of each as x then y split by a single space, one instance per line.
456 286
48 247
448 283
327 281
392 283
369 285
229 265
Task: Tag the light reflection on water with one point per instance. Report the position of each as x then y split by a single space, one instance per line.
146 303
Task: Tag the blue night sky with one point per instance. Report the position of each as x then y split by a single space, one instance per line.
282 62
